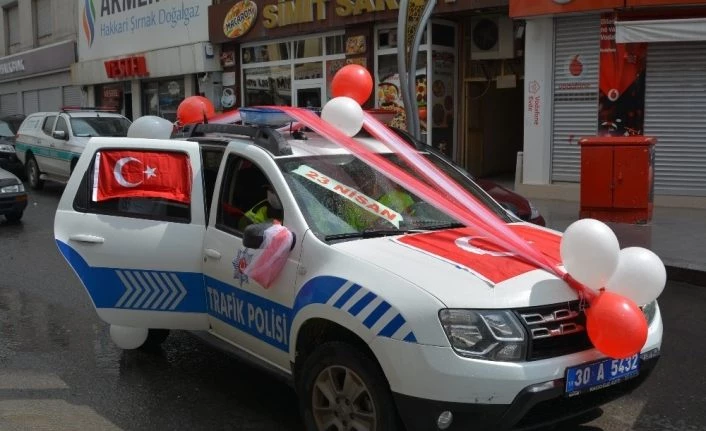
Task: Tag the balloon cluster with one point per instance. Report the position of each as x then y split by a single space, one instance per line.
618 281
350 88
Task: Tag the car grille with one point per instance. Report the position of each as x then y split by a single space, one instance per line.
554 330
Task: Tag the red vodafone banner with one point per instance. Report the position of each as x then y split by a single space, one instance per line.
621 83
529 8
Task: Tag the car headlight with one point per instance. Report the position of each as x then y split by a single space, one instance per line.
534 212
494 335
15 188
650 310
5 148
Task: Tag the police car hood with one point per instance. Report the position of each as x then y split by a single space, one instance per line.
464 270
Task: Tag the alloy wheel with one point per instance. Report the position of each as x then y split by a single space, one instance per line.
342 402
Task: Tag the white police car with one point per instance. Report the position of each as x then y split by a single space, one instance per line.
387 313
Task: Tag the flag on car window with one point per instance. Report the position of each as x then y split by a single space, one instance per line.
147 174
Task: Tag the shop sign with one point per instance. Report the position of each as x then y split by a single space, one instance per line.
284 13
110 27
239 19
39 60
525 8
128 67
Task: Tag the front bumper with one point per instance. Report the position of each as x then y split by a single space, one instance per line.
13 203
535 406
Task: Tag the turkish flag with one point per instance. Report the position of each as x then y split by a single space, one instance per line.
145 174
465 247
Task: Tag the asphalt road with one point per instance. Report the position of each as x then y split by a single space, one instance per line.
60 371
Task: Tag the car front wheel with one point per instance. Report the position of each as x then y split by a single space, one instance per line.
33 174
342 389
14 217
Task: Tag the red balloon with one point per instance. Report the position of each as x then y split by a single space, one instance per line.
616 326
195 109
352 81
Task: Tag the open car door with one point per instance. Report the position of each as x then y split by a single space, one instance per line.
131 225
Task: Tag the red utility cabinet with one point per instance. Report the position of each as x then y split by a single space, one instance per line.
617 178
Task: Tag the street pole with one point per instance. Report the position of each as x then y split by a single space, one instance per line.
412 19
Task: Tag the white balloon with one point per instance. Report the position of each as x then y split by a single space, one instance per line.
344 113
127 337
640 275
589 250
151 127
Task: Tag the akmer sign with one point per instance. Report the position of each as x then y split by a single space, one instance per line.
111 28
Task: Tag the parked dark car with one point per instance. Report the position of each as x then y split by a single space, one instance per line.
13 198
9 124
520 206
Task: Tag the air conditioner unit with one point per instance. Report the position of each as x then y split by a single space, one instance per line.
491 38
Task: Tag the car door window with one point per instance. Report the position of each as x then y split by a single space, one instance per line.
48 125
246 197
134 207
61 126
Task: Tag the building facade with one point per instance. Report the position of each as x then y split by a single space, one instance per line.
616 68
144 58
37 48
469 68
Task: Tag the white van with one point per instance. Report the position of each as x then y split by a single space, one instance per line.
381 326
50 143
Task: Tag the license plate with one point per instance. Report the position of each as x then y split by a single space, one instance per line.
600 374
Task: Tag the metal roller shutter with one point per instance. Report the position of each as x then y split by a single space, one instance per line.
50 99
8 104
30 102
72 96
675 113
575 112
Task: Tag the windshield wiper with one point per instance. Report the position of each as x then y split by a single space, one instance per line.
370 233
441 226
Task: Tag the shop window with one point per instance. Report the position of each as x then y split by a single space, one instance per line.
443 35
265 53
268 86
42 19
12 24
387 38
308 70
162 98
335 45
308 48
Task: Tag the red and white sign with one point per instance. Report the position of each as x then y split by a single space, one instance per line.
120 174
528 8
465 248
135 66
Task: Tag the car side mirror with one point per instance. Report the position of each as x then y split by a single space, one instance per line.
254 235
59 134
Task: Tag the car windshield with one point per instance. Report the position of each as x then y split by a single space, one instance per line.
8 128
342 197
99 126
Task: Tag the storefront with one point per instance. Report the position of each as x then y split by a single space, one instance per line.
38 80
618 68
287 52
146 59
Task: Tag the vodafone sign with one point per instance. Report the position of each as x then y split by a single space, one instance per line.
524 8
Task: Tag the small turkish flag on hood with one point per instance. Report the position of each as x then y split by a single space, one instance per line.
146 174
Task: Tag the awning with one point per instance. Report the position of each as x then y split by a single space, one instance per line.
662 30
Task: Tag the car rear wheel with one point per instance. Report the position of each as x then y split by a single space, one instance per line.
14 217
33 174
342 389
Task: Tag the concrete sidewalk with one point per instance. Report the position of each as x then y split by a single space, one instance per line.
677 235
